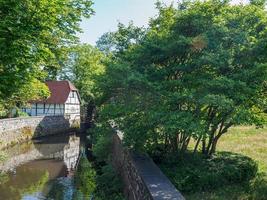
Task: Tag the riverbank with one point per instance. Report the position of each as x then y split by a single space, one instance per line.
18 130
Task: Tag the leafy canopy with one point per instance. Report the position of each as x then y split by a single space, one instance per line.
33 36
83 67
198 70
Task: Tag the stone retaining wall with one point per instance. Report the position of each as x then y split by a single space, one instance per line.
16 130
141 177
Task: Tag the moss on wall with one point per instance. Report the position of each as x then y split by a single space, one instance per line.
27 132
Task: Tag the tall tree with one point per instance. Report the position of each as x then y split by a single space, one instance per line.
199 70
33 35
83 67
118 41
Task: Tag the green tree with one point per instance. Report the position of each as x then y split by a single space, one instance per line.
199 70
33 36
118 41
83 66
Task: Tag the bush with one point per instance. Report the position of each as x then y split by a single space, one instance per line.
258 188
85 177
20 113
192 173
109 185
102 148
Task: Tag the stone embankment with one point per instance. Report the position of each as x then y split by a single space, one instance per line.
142 178
17 130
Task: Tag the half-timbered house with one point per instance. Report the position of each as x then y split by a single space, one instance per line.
64 100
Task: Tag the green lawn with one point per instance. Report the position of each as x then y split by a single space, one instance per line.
252 143
248 141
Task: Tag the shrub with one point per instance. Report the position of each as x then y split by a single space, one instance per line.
85 177
258 188
109 185
102 148
192 173
20 113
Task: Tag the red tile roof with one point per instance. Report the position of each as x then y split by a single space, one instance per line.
59 92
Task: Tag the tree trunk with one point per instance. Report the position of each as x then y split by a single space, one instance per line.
185 144
165 142
204 146
211 137
197 144
213 147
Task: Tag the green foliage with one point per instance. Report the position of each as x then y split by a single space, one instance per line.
119 41
20 113
3 178
3 156
83 66
258 187
15 188
195 173
261 3
84 178
196 71
33 37
37 186
101 148
248 141
109 185
61 189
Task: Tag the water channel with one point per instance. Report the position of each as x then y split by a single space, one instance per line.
42 169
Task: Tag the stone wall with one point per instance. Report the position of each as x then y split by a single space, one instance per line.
141 177
16 130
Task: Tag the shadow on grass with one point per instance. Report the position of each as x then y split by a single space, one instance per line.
258 187
196 173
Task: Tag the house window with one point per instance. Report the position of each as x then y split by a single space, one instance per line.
72 94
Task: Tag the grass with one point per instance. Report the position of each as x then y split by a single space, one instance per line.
196 173
248 141
251 142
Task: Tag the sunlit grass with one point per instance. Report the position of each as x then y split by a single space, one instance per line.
248 141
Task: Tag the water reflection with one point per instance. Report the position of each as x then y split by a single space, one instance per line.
64 148
40 169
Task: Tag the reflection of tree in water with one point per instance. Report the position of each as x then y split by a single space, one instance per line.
39 179
63 147
3 178
61 189
64 189
85 177
79 188
15 187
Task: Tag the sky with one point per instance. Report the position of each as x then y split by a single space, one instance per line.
109 12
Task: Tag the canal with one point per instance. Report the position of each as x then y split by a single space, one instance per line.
42 169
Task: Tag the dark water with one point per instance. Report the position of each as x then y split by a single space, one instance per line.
41 169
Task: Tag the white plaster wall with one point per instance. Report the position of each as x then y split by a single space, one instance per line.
45 110
72 107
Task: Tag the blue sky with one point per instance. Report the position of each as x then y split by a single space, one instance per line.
109 12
